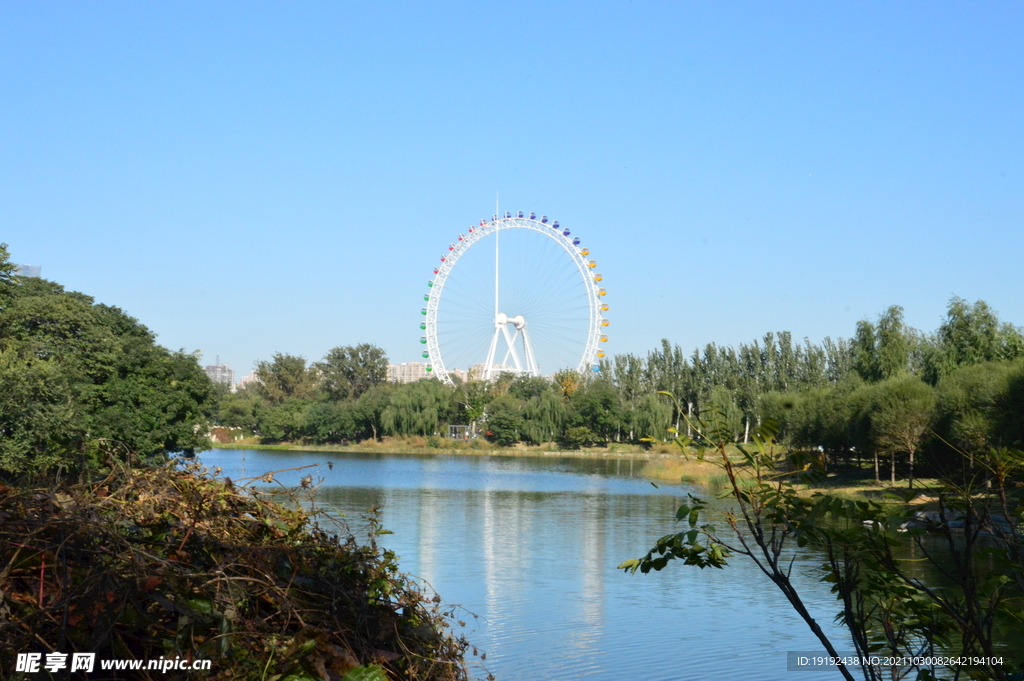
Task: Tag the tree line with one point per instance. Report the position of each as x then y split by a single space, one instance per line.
887 394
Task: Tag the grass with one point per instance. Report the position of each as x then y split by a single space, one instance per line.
690 472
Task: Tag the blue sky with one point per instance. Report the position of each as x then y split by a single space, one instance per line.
247 178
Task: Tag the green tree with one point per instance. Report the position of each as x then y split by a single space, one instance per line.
504 428
7 270
284 421
971 334
331 421
971 403
882 350
347 372
543 415
39 426
285 377
595 404
901 412
721 402
241 408
77 377
419 408
369 409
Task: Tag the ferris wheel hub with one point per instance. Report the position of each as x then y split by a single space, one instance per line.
519 320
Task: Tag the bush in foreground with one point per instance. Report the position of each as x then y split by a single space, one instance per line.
163 562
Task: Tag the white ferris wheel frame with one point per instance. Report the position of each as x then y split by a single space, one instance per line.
475 234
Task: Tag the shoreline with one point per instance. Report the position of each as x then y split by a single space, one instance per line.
662 463
614 452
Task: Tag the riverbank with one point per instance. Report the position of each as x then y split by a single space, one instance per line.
661 462
421 445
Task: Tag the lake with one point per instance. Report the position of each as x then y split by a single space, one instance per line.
529 545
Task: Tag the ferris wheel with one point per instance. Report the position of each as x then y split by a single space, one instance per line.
515 294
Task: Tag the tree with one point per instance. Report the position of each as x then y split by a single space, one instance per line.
902 410
331 421
348 372
419 408
241 408
7 270
971 334
369 410
285 377
882 351
283 421
78 379
543 416
504 427
595 404
970 405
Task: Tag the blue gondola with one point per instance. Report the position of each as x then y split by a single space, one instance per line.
520 213
575 241
533 216
544 219
565 232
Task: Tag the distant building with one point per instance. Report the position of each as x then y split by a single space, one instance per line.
246 380
410 372
407 372
29 271
221 373
477 371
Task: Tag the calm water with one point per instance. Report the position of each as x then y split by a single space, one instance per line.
530 546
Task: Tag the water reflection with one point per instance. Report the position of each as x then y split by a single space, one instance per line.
531 545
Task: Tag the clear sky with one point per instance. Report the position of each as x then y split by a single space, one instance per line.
247 178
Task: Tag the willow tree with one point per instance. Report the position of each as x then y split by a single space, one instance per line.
419 408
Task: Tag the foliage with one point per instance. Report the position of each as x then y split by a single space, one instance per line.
331 422
283 421
595 405
419 408
901 413
348 372
973 403
74 374
575 437
7 270
886 606
504 427
882 350
972 334
164 562
285 377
